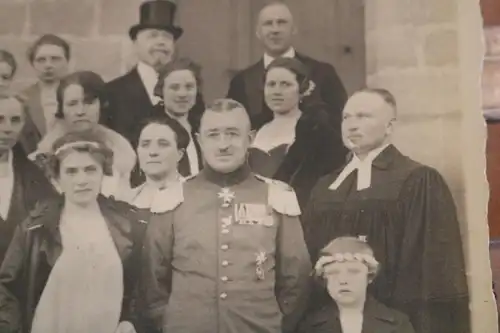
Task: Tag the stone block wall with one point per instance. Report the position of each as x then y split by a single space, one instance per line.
96 29
421 51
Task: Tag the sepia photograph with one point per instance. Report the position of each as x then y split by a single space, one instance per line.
249 166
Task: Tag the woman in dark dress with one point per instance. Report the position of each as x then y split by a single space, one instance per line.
345 269
162 144
71 264
296 146
23 184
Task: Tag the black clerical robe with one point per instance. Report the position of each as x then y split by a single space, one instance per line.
409 218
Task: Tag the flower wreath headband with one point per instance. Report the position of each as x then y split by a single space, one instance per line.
326 259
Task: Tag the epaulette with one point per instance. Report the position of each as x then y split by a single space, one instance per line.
168 199
281 197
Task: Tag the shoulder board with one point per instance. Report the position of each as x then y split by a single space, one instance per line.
281 197
168 199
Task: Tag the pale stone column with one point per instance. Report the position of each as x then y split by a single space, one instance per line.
428 53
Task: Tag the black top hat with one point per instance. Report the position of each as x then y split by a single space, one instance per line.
157 14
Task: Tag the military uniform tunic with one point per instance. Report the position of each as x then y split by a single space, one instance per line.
226 255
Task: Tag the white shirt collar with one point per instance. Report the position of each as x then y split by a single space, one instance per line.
288 54
149 78
7 186
364 168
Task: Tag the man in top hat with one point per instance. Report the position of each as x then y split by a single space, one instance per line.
275 30
131 97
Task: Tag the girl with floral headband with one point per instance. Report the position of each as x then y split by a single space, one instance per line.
345 268
297 145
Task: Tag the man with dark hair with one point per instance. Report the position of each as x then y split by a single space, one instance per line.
405 211
49 55
275 30
132 95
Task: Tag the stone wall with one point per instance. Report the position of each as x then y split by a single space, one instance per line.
420 50
96 29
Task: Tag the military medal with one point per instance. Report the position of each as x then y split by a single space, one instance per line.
260 259
227 197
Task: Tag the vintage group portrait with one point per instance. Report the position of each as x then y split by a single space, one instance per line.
245 166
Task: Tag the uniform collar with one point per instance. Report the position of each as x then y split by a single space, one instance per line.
226 179
288 54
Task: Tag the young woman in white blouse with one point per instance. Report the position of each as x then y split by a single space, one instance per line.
71 264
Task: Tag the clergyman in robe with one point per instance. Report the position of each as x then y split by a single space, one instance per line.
405 211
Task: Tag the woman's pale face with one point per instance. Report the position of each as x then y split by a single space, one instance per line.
79 114
281 90
179 92
347 282
80 177
5 78
157 151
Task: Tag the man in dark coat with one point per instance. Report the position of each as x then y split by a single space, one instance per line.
275 29
131 97
407 214
22 182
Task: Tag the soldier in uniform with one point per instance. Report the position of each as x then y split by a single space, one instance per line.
225 250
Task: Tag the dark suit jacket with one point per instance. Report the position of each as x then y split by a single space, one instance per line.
377 318
129 105
247 87
34 128
30 186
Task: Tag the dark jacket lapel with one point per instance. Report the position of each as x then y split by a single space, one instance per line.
254 88
378 318
35 109
137 91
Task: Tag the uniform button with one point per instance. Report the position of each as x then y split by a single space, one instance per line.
223 296
224 247
225 263
224 278
225 231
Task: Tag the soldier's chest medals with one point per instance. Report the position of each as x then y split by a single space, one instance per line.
245 213
257 214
